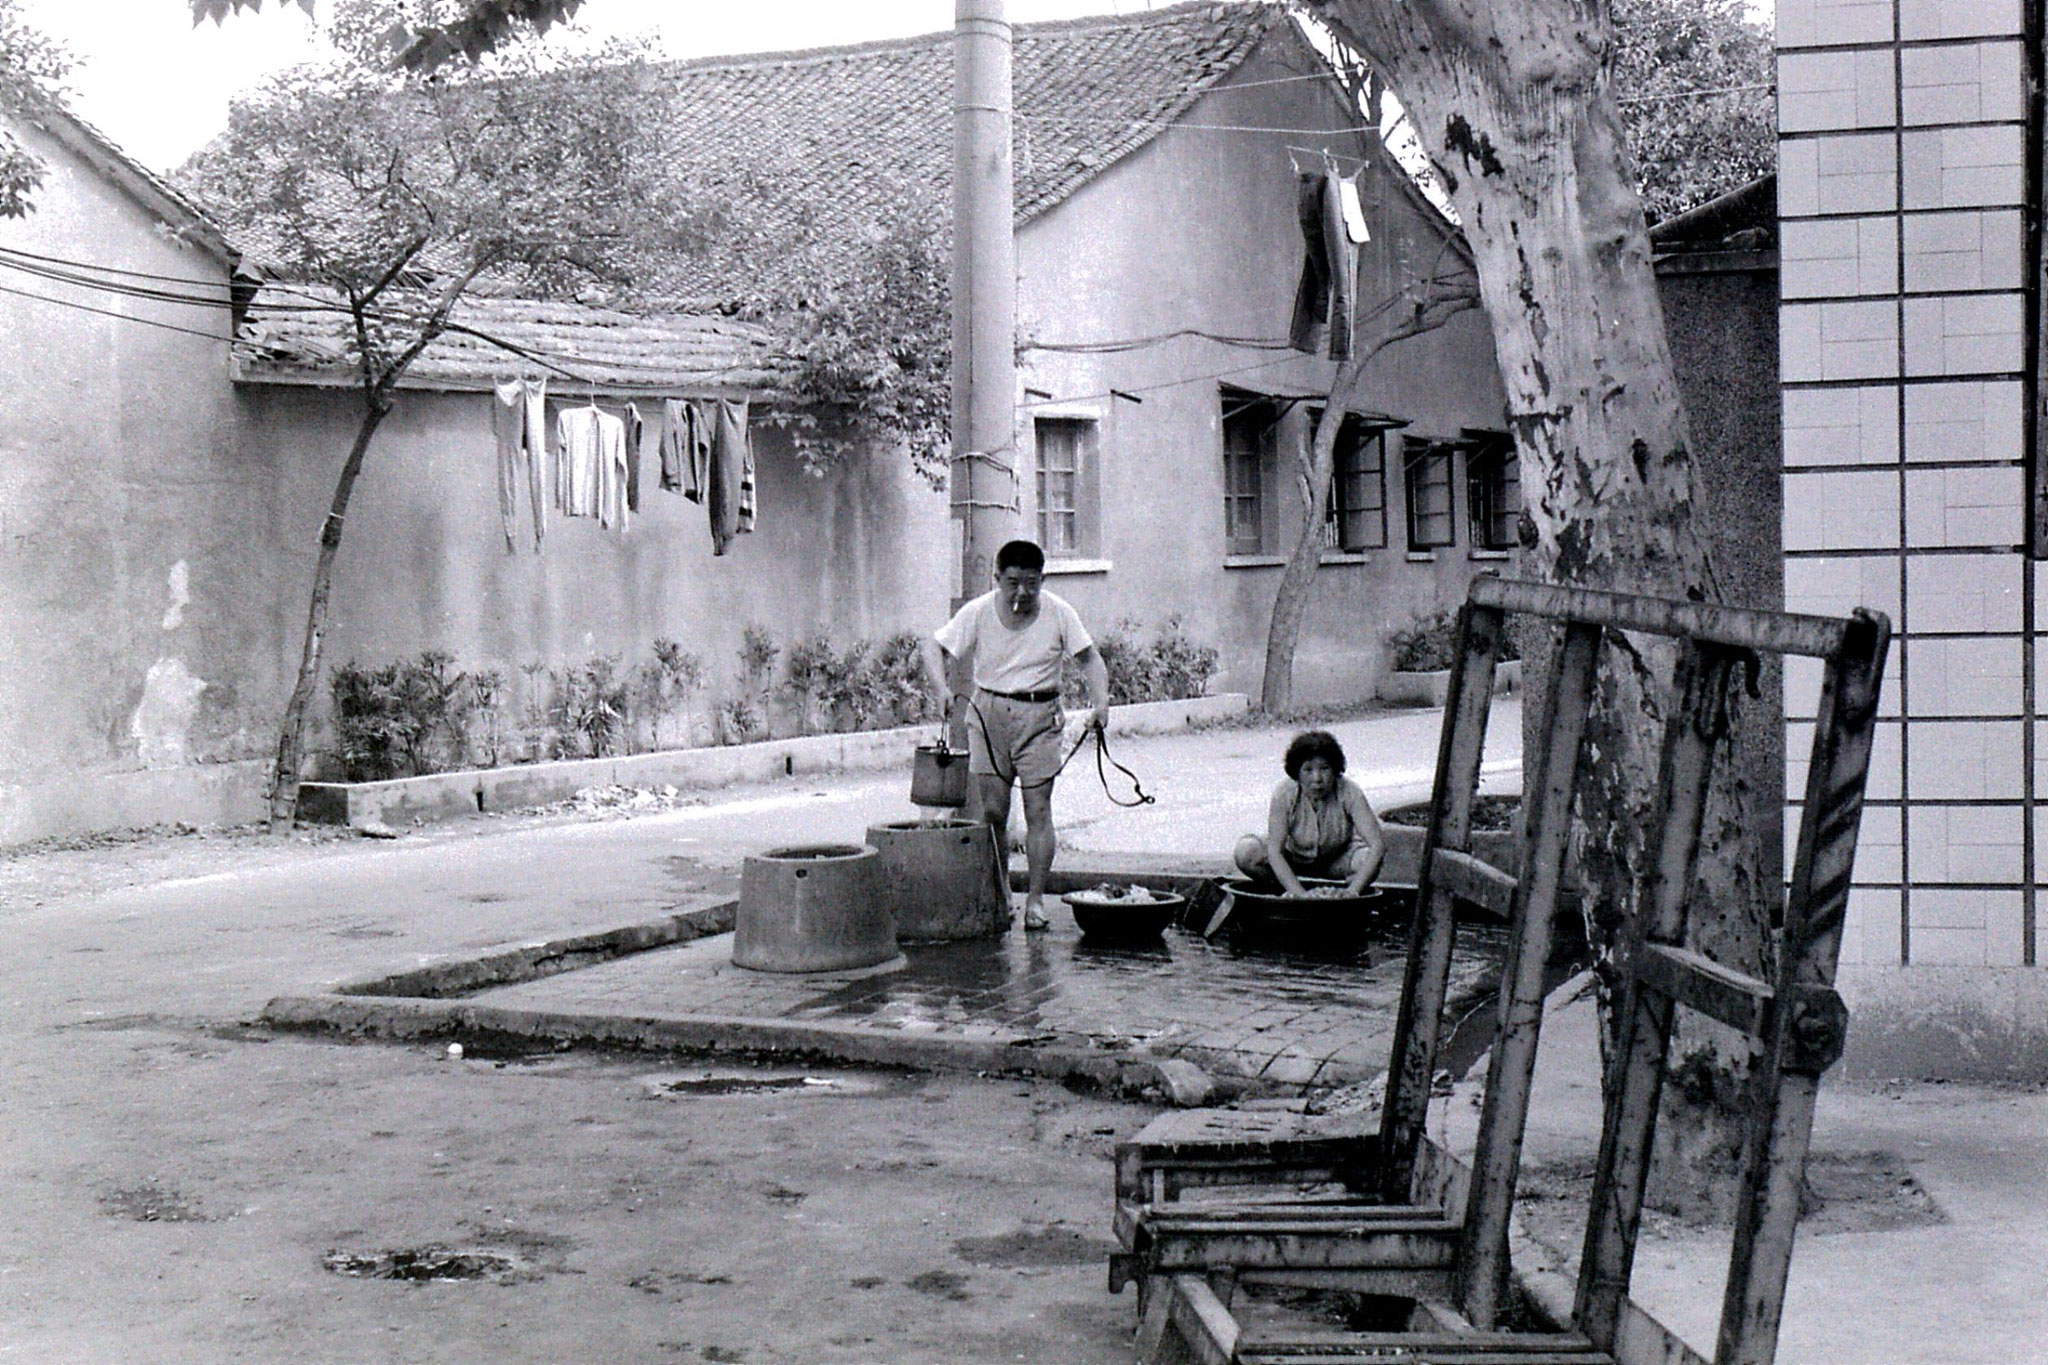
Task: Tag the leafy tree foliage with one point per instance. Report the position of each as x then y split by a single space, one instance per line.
385 197
32 72
870 347
1689 146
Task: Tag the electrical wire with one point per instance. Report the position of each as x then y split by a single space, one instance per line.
110 313
1117 346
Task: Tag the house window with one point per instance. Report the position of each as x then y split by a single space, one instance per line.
1065 485
1426 467
1249 427
1358 489
1493 493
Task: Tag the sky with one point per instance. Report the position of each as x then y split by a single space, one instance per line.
160 88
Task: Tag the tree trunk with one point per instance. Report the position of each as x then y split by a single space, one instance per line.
1297 584
284 791
1512 103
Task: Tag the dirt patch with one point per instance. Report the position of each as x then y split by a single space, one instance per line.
1494 813
1845 1192
151 1203
1044 1246
940 1284
427 1264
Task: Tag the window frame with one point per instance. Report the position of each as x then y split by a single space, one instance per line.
1085 504
1256 459
1419 453
1356 436
1493 490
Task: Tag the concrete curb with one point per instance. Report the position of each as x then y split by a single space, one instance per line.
529 962
782 1040
443 796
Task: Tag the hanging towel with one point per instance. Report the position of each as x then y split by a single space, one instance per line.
613 466
1354 211
634 429
508 426
729 491
539 468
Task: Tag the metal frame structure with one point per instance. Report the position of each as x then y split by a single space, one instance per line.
1394 1214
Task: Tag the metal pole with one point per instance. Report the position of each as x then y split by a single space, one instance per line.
984 480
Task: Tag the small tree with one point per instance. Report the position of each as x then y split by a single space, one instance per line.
390 196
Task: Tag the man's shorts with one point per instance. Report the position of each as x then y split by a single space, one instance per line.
1018 741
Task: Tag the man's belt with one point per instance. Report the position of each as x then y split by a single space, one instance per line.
1051 694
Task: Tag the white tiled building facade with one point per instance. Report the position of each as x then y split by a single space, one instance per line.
1908 299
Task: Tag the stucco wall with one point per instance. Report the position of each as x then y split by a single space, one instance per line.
859 552
1199 230
135 590
1723 329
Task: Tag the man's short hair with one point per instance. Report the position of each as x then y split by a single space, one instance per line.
1020 554
1313 744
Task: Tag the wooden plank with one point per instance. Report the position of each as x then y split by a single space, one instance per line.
1698 982
1418 1023
1250 1355
1684 771
1253 1249
1168 1218
1774 1165
1504 1343
1642 1340
1498 1153
1434 1283
1205 1327
1472 878
1779 632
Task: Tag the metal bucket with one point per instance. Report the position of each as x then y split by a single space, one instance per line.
937 878
811 909
938 776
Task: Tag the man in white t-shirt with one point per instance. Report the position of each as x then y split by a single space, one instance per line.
1016 637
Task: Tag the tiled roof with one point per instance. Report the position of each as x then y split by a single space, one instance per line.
839 131
289 339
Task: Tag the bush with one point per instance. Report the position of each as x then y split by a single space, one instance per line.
1426 646
404 719
1170 667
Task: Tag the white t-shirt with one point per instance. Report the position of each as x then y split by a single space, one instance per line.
1026 659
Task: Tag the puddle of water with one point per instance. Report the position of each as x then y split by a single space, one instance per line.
721 1084
423 1264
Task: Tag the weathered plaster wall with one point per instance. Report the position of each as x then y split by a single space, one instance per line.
1723 329
134 581
1199 230
859 552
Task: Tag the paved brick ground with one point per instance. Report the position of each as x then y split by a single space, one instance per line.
1286 1019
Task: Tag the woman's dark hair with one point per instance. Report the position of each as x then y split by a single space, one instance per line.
1313 744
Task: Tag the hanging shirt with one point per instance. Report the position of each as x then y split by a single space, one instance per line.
593 463
685 448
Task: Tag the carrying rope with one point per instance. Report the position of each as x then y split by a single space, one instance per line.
1103 761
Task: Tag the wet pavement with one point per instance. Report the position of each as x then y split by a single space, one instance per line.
1239 1010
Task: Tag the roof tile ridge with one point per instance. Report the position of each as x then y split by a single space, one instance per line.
1268 12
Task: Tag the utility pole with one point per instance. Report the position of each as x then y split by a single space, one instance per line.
984 476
